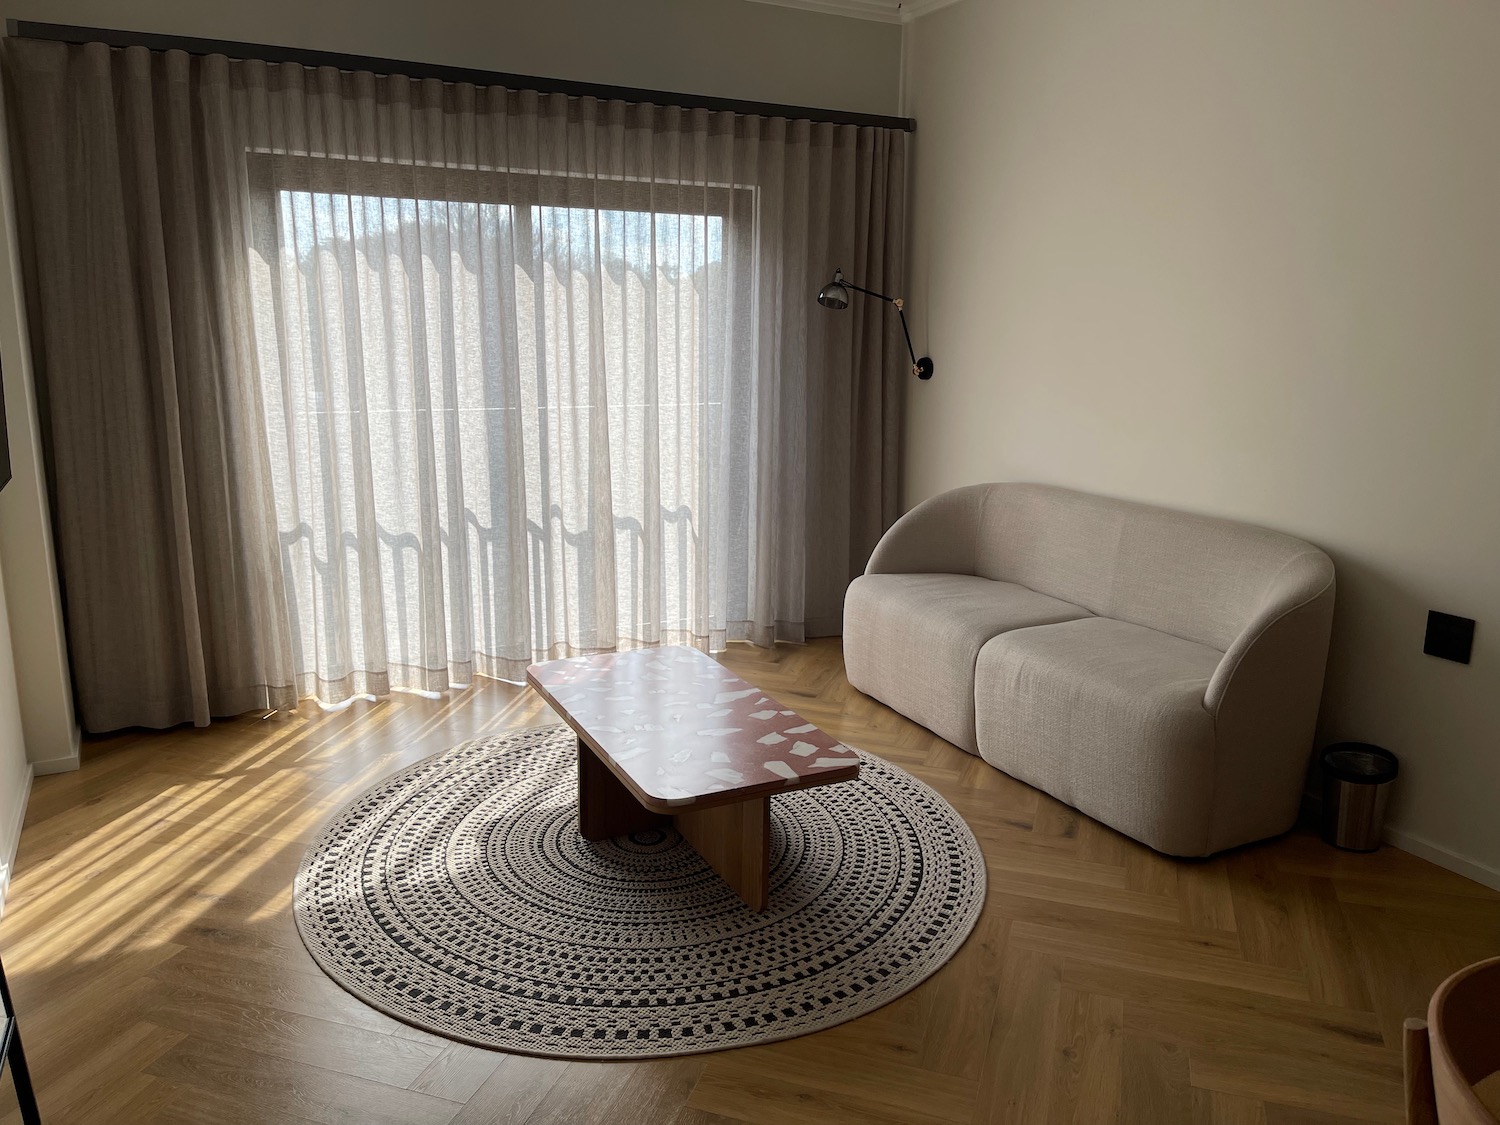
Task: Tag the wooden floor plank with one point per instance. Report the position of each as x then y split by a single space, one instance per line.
457 1073
512 1092
1371 1090
962 998
1261 915
1015 1086
1333 974
1157 1083
1087 1061
1205 895
758 1100
690 1116
217 1080
1213 1108
327 1044
892 1091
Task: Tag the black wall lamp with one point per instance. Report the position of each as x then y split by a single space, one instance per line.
835 295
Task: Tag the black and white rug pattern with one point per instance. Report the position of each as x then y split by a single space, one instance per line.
458 896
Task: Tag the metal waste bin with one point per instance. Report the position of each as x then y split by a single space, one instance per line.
1356 785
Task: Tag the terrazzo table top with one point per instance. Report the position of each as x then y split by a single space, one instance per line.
680 730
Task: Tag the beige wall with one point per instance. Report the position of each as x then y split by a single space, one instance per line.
1241 258
15 771
727 48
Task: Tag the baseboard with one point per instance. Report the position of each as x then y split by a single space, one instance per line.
1421 846
66 764
12 842
1436 853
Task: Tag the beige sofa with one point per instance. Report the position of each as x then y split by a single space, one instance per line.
1158 671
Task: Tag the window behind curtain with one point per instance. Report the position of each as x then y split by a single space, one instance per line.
490 406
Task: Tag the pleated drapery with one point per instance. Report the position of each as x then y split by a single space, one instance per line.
356 383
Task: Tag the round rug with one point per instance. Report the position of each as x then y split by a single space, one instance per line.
458 896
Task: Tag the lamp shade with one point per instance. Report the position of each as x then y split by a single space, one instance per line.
834 295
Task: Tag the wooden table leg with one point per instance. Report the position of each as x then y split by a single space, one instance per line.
736 842
1421 1098
605 807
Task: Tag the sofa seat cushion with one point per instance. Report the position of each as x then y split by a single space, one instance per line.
1107 716
911 640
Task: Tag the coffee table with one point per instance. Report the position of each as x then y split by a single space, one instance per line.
671 736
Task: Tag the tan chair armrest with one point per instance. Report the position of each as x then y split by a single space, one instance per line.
938 536
1292 623
1264 698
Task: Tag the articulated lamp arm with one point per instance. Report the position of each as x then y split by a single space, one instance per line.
829 298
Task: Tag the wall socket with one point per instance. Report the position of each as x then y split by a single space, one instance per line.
1449 637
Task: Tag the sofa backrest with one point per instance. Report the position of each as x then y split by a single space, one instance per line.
1195 577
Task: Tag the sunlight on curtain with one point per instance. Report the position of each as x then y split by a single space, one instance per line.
433 369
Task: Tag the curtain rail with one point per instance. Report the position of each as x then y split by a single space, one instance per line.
67 33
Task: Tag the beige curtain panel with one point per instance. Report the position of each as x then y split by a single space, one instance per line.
359 383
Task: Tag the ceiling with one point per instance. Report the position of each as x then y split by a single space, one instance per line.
884 11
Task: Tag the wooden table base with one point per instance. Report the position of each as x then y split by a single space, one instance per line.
734 839
605 807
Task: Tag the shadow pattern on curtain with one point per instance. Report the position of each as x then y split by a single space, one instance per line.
357 383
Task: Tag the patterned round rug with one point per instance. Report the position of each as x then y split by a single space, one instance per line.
458 895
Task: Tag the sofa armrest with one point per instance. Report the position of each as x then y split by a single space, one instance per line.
938 536
1264 697
1293 621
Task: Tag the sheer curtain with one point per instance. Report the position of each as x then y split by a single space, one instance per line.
382 383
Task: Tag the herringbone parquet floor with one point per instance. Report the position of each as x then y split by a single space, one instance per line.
160 979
